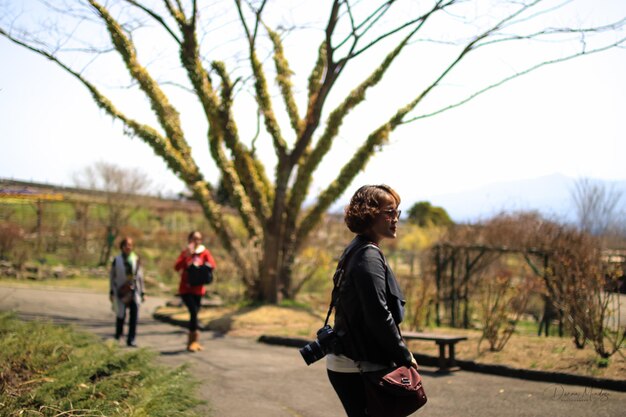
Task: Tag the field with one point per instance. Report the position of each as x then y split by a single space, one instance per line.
64 244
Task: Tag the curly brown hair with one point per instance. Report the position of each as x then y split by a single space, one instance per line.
365 205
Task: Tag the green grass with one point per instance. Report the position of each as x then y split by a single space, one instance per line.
50 370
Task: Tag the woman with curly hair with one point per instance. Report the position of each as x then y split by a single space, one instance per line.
369 304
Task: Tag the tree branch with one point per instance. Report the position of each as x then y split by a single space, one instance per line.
467 49
166 113
283 78
321 80
224 130
156 17
253 180
514 76
335 120
261 89
169 119
345 177
160 144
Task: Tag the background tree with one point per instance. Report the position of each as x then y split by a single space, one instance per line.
570 264
597 206
425 214
503 301
117 183
219 62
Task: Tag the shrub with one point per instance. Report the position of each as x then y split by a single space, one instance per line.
10 235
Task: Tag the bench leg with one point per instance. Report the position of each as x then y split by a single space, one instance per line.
446 364
452 366
451 361
443 367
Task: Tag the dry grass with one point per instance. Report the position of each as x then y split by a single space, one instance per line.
254 321
83 283
553 354
523 351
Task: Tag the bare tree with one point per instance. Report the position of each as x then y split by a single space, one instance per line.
502 303
569 264
222 50
575 279
118 184
597 206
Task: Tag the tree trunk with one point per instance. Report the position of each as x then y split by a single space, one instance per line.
268 271
276 269
110 237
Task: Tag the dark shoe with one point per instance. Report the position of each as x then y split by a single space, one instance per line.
119 328
131 344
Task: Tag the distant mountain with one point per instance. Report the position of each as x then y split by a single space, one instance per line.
550 195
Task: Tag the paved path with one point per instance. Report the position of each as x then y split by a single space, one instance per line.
242 378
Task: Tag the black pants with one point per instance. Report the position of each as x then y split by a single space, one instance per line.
133 309
351 391
192 301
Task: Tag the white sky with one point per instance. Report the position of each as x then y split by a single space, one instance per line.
567 119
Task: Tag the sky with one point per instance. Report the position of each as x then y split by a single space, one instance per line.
564 119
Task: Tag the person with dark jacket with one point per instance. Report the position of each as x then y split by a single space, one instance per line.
369 304
126 290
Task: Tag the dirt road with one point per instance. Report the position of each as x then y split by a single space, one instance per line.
242 378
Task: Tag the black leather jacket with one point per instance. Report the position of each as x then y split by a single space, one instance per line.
369 307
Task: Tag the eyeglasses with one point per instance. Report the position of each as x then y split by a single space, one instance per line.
392 213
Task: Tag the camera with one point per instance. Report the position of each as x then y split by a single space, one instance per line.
317 349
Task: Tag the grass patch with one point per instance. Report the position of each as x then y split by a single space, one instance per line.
253 320
529 351
51 370
88 283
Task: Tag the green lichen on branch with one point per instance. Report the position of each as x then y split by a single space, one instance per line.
350 170
234 188
317 73
167 115
180 161
333 124
283 78
254 181
160 144
265 105
222 128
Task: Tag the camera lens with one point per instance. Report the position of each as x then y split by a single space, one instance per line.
312 352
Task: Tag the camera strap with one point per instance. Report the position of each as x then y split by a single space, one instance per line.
338 279
339 274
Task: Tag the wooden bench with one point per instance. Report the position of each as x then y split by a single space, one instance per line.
445 364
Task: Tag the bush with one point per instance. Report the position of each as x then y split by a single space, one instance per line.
10 234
